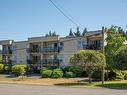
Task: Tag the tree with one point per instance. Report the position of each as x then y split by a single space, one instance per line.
115 41
54 33
50 34
126 35
121 31
89 60
84 32
78 33
71 33
120 59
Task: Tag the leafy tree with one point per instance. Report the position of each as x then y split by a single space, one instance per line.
84 32
115 41
71 33
120 59
89 60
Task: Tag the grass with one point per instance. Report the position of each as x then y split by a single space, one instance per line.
36 80
64 82
107 84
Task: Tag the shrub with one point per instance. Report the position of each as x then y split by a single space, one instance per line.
66 69
111 75
70 75
119 75
96 75
1 68
57 73
19 69
116 74
46 73
76 70
125 74
43 69
6 68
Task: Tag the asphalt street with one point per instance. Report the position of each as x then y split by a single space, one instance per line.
22 89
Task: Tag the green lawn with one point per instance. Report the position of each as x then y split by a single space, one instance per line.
107 84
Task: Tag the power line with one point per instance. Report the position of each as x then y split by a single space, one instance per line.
61 11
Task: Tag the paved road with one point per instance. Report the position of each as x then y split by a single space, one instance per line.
20 89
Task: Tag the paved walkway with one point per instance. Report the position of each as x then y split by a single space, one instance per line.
20 89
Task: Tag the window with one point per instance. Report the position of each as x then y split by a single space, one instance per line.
61 45
79 44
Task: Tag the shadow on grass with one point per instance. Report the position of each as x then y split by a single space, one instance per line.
97 84
113 85
75 84
11 76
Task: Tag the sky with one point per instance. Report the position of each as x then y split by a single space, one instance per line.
20 19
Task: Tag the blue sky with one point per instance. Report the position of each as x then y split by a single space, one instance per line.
20 19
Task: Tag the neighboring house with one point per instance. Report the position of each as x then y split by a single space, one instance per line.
52 51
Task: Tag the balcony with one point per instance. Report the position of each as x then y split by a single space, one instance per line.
7 52
45 62
50 49
93 47
45 50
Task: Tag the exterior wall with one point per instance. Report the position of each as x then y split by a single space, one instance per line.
71 46
6 51
19 54
43 39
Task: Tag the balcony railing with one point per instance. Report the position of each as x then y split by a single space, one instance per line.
45 50
45 62
93 47
7 52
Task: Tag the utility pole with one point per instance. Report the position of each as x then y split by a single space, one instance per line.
103 51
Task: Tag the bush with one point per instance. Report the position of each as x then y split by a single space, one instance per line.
66 69
46 73
43 69
76 70
70 75
19 69
57 73
119 75
125 74
96 75
116 74
1 68
7 69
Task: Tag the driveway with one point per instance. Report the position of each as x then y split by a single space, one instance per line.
21 89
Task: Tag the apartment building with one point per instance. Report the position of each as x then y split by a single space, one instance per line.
53 51
6 51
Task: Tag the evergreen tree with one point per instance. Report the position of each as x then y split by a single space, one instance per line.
46 35
50 33
121 31
71 33
54 33
84 32
78 33
126 35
